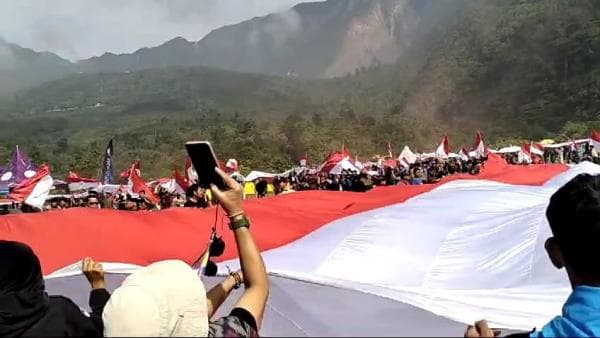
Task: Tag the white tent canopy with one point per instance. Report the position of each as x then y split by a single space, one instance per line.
510 149
344 164
255 175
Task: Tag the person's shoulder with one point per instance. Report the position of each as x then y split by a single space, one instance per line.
239 323
67 306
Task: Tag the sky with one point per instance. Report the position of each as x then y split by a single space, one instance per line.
79 29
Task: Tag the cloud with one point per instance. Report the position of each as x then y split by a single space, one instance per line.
77 29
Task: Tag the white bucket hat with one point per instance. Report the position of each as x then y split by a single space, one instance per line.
164 299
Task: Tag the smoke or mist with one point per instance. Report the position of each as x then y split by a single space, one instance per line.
283 25
77 29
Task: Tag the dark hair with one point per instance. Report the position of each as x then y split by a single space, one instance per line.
574 218
192 190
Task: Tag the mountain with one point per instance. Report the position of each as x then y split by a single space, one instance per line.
311 40
23 67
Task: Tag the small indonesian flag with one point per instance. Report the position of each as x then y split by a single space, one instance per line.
480 148
443 149
304 160
34 191
407 157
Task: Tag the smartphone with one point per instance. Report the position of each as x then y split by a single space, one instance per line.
205 161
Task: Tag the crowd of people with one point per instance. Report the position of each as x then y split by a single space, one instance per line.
361 178
421 171
168 298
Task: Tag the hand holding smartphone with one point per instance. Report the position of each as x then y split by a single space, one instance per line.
205 161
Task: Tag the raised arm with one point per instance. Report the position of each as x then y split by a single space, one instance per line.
217 295
99 296
254 298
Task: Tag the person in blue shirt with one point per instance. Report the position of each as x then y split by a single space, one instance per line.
574 218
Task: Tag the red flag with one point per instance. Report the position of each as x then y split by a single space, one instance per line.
137 184
75 178
183 181
136 166
596 140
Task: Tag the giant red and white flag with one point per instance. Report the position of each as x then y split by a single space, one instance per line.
34 190
443 149
410 250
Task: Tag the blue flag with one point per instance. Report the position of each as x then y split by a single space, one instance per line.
107 176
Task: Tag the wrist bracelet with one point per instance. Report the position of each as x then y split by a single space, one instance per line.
237 279
236 214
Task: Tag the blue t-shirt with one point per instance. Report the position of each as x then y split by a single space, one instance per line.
416 181
580 316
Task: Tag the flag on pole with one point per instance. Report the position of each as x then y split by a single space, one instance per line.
137 167
190 172
480 148
443 149
304 160
107 175
137 184
34 190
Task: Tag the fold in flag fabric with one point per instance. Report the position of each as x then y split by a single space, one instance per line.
472 244
34 191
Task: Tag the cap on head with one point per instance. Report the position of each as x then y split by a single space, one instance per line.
164 299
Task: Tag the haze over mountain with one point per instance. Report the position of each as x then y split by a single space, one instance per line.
321 39
23 67
311 40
